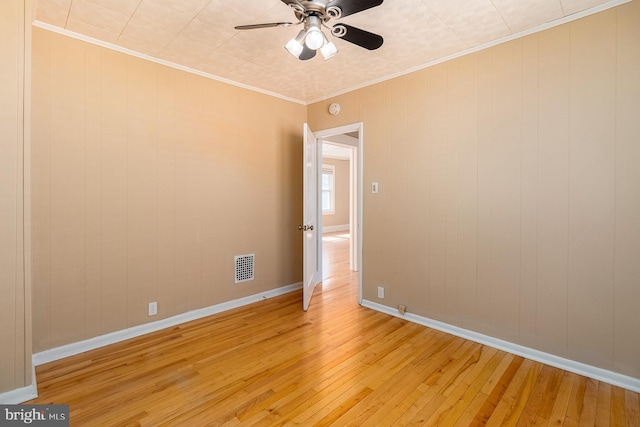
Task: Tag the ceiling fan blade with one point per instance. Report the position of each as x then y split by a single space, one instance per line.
349 7
267 25
357 36
307 53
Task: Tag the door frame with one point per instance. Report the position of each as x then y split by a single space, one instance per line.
357 192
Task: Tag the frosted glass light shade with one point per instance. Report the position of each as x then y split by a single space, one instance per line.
294 47
314 39
329 50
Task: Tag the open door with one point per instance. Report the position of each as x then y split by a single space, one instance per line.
310 228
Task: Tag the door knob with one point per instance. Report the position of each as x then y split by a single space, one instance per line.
300 228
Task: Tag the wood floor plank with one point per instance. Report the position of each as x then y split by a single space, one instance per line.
507 408
460 398
393 393
339 364
465 391
431 364
377 373
559 410
603 406
550 395
535 398
589 403
617 407
497 391
388 396
576 402
632 408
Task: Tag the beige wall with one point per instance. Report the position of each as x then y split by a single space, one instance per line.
15 333
510 189
513 172
341 216
147 181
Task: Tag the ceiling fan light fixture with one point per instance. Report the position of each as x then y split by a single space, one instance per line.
315 39
329 50
315 14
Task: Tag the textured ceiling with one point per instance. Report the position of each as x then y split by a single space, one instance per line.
200 34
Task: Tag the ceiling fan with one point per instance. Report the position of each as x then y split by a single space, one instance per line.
315 14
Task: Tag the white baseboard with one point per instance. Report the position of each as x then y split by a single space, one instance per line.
23 394
136 331
334 228
624 381
19 395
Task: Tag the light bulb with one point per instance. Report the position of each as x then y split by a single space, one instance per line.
329 50
314 39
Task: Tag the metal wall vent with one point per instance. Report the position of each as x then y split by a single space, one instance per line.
245 267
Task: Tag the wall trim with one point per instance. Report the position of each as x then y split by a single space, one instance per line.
111 46
334 228
19 395
136 331
521 34
613 378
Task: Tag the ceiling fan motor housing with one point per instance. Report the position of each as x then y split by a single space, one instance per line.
315 5
306 8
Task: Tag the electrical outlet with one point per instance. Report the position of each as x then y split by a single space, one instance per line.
380 292
153 308
374 187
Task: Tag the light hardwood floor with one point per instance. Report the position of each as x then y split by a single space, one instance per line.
338 364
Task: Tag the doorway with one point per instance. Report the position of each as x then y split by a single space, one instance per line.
341 153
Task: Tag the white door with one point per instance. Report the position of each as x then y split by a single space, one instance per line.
310 228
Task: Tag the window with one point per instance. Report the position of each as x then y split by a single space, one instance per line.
328 189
